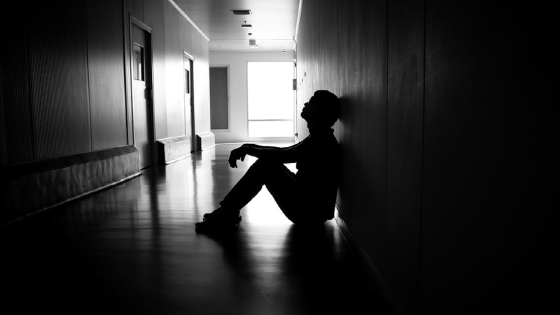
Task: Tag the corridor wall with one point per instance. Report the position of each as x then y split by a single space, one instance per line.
65 92
446 132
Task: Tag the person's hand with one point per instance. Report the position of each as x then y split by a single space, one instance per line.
236 154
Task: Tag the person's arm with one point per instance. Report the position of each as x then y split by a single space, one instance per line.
284 155
257 146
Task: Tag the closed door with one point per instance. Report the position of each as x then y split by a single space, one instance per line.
219 109
189 109
142 94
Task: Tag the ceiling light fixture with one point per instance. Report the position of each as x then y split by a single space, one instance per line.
241 12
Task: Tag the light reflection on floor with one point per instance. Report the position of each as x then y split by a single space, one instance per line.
133 249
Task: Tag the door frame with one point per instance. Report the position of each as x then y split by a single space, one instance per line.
133 21
193 134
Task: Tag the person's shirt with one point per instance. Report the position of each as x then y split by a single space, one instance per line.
319 168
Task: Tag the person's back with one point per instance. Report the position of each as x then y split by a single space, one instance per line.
319 171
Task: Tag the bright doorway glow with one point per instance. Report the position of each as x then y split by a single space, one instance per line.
270 99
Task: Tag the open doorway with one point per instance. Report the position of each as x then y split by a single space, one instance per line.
270 99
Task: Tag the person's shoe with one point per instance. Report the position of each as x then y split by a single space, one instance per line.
206 216
218 220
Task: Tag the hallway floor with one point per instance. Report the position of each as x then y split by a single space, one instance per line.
133 249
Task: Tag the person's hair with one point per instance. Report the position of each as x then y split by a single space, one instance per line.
330 106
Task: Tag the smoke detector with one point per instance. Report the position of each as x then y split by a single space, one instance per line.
253 43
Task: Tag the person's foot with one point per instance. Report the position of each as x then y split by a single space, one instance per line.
208 215
219 219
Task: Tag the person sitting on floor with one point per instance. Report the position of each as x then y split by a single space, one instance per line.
307 197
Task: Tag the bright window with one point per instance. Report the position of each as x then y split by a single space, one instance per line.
271 99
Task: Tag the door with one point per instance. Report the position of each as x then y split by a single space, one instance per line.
189 101
219 109
142 93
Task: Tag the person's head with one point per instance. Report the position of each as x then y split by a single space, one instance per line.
322 110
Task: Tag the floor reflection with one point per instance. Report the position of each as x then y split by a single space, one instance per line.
133 249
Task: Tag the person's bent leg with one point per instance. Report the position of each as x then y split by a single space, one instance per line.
293 199
261 172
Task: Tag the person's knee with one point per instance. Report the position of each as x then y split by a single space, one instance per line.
266 164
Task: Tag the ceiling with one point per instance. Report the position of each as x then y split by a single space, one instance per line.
273 23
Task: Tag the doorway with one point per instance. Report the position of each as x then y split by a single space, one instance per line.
189 100
270 99
142 86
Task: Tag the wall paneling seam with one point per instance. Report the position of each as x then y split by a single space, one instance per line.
386 129
125 75
88 88
30 91
422 162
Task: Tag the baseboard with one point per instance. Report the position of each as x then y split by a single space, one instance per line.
173 149
205 140
371 273
72 199
36 186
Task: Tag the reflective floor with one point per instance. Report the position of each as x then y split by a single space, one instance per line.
132 249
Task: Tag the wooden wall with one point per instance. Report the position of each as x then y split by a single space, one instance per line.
106 70
65 85
446 132
173 35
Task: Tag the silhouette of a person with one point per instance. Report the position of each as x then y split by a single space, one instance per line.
307 197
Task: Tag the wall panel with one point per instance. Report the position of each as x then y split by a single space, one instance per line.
156 20
463 135
484 144
106 74
59 79
188 32
15 88
137 8
404 149
174 72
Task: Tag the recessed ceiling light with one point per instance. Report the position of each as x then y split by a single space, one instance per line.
241 12
246 25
